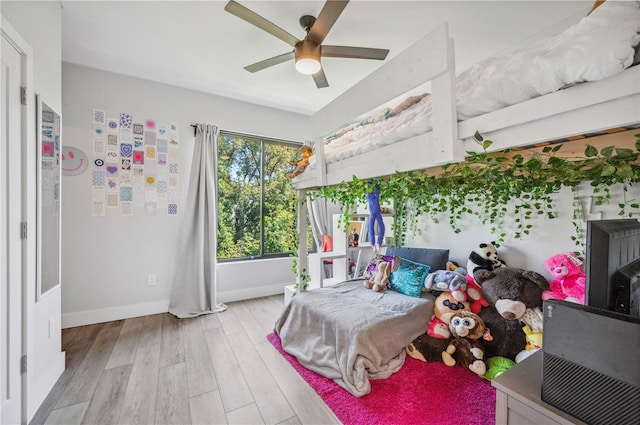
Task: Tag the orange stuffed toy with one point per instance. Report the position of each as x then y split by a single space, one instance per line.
305 153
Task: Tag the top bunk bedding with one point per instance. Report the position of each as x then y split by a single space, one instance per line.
519 88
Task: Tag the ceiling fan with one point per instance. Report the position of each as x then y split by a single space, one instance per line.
308 51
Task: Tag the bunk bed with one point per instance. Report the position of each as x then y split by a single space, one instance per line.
585 108
593 90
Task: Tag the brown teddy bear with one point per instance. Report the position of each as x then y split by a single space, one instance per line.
466 347
510 291
379 281
305 153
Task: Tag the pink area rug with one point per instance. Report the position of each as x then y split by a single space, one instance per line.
419 393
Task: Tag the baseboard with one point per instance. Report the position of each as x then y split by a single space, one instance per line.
88 317
40 389
245 294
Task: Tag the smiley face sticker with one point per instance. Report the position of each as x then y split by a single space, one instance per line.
74 161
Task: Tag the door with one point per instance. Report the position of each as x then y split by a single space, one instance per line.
10 235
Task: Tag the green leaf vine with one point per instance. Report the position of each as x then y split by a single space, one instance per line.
302 275
303 278
496 185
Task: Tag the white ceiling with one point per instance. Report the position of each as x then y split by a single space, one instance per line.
197 45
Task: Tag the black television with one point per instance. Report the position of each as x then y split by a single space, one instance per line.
613 266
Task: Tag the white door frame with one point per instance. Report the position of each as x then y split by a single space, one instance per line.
27 133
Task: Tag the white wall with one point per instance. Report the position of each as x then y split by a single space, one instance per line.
39 23
548 236
106 260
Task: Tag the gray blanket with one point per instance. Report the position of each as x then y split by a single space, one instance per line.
351 334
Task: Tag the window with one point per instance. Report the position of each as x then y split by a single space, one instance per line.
257 205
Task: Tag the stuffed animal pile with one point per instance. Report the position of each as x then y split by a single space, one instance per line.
429 346
488 322
445 307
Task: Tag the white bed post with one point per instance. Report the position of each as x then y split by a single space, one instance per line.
446 146
321 164
303 255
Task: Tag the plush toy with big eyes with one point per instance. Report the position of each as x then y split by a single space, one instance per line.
446 305
466 348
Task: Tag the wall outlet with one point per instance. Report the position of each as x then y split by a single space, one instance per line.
151 280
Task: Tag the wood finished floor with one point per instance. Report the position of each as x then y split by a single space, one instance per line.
214 369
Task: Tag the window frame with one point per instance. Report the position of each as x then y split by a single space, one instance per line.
262 140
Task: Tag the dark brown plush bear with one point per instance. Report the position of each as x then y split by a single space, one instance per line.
509 291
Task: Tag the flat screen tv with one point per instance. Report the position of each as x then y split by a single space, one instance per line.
613 265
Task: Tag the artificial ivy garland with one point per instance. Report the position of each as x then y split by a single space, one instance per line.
484 184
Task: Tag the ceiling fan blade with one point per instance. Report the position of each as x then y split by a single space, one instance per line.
327 17
353 52
320 79
253 18
259 66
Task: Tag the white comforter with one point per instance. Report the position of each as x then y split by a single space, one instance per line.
599 46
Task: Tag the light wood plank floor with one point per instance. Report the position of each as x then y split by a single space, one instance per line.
213 369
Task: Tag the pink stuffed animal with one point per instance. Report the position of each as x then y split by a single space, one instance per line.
568 279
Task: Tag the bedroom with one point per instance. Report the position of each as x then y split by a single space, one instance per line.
125 292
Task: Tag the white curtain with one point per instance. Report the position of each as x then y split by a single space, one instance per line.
320 214
194 289
320 219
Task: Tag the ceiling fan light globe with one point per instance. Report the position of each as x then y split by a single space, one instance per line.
308 57
308 66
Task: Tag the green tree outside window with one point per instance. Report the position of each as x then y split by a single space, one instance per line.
257 206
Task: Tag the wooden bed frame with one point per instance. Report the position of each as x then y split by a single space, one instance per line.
583 109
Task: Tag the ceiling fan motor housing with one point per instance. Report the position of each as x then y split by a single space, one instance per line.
308 56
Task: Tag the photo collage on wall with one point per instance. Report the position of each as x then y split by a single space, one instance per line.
135 166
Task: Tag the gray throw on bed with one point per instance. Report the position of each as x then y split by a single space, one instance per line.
352 334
